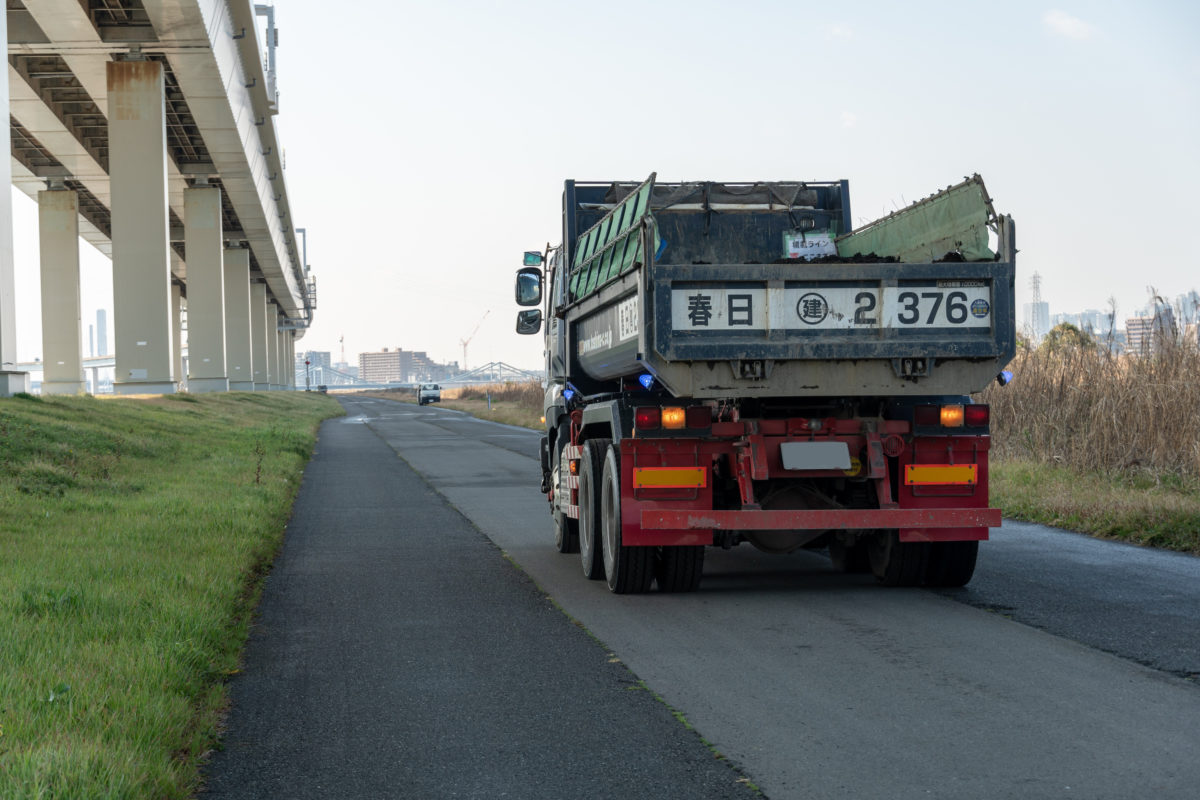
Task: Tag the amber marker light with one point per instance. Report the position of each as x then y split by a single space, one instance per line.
673 418
952 416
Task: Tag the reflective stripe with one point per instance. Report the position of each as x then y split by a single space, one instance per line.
942 474
669 477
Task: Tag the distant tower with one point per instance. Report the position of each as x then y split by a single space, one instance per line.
1037 313
92 340
102 332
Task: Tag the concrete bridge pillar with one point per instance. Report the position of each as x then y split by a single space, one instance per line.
291 360
177 306
146 346
203 245
273 344
11 381
58 234
239 359
259 334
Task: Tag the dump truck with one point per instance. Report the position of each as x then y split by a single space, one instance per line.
732 363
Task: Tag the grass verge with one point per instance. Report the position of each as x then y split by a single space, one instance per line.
1139 508
134 537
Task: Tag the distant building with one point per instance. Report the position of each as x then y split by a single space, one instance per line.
402 366
102 332
316 358
1037 320
1188 306
385 366
1148 334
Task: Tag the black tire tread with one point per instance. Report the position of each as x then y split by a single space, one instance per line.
679 568
634 566
903 563
591 470
951 564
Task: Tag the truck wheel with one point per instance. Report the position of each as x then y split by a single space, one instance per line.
630 570
897 563
591 470
566 530
951 563
678 568
849 558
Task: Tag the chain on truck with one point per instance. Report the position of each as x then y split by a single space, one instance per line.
731 363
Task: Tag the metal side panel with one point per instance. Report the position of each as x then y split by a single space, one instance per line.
831 329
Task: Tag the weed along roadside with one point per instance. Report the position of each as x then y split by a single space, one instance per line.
134 534
1101 444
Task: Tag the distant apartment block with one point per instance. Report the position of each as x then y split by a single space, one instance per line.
386 366
1148 334
401 366
1037 320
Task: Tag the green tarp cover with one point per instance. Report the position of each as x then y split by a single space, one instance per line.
954 220
610 247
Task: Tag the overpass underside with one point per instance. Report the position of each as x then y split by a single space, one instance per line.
146 127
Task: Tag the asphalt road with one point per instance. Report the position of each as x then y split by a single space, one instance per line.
397 654
1056 673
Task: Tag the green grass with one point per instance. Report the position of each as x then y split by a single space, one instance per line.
1146 508
133 537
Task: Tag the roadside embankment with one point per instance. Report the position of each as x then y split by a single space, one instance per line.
134 534
1101 444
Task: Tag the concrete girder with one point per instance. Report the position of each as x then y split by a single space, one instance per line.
73 37
68 32
231 107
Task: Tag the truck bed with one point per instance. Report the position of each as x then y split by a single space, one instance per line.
834 326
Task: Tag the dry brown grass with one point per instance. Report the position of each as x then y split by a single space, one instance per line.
1091 411
529 394
1101 444
512 403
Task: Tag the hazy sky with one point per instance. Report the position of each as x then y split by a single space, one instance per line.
427 142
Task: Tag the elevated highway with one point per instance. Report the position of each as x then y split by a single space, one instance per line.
147 127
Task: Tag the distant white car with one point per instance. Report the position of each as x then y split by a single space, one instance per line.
429 393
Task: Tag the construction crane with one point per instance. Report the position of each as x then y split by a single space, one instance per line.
467 341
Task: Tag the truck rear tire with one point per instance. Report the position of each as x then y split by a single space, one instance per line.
897 563
630 570
951 564
566 530
849 558
591 471
678 568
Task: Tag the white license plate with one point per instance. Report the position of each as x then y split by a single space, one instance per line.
815 455
951 304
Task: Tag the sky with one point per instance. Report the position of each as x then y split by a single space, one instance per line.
427 142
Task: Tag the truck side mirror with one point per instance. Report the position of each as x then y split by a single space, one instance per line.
529 286
529 321
532 258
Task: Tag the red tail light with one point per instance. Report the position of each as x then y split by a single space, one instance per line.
647 418
977 415
927 415
699 417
